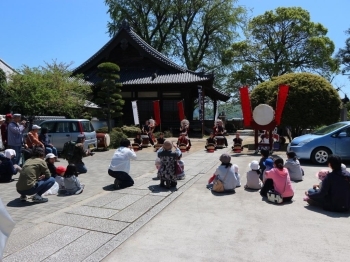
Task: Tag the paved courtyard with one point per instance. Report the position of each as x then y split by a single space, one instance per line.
147 223
100 219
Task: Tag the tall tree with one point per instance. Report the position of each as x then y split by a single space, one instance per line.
280 42
47 90
196 32
344 54
108 92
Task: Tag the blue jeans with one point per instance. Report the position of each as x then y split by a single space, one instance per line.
81 168
39 188
17 158
51 150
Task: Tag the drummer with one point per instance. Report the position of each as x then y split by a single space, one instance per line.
138 141
219 130
184 128
160 141
237 141
146 130
183 140
211 140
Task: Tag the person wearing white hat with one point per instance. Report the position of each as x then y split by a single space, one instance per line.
253 180
33 137
15 136
7 168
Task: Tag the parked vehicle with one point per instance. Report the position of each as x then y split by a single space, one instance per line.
64 130
318 145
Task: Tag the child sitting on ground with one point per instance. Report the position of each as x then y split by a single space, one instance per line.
237 175
253 180
268 166
182 166
60 170
71 181
321 175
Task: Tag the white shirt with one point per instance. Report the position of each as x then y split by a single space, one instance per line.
253 180
230 180
121 159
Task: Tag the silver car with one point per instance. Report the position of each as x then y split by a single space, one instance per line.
61 131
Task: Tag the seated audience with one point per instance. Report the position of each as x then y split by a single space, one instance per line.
334 195
293 166
72 184
7 168
32 139
226 173
44 138
278 179
238 176
253 180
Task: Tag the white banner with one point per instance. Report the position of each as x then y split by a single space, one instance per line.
200 103
216 113
135 112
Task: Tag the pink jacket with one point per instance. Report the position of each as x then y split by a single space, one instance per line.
279 178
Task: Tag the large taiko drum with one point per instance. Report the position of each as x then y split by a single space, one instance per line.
220 141
263 114
103 140
237 148
183 147
210 148
145 140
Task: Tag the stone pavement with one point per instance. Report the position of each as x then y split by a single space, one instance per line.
89 226
204 226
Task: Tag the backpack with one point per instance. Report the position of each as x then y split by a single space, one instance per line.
68 150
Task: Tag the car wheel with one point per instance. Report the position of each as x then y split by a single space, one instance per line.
320 155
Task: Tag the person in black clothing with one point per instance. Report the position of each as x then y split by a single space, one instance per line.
7 168
44 138
147 131
265 154
50 162
160 139
138 141
334 194
219 130
211 140
237 141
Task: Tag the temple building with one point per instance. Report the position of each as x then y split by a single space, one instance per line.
147 75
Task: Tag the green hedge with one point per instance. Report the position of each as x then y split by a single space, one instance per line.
116 137
167 134
131 131
105 129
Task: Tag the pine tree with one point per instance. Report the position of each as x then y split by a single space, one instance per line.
109 96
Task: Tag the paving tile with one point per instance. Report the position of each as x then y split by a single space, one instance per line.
123 202
47 246
134 191
142 180
149 184
91 223
24 238
104 200
80 248
92 211
137 209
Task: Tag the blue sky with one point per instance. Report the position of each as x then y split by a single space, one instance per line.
34 31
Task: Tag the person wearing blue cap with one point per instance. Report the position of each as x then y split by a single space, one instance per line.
268 166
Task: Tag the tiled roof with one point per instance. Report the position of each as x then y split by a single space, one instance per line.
166 79
144 46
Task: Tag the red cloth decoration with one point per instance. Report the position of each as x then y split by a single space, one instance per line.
180 106
281 101
246 107
156 110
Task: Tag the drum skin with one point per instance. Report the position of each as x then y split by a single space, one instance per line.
210 148
135 146
183 147
263 114
103 140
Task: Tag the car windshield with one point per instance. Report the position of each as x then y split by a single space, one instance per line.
87 126
329 129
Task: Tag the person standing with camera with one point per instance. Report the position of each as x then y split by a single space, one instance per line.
15 136
79 153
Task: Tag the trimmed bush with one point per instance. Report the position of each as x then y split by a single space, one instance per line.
131 131
116 137
167 134
105 129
